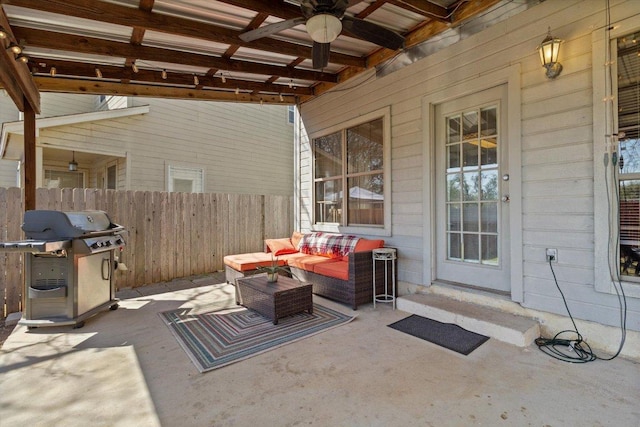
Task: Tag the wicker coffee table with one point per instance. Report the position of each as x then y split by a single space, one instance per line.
274 300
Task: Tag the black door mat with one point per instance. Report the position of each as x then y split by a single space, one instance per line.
446 335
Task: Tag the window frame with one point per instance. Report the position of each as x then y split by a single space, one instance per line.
81 171
375 230
606 179
171 174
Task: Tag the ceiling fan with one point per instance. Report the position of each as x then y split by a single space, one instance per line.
324 20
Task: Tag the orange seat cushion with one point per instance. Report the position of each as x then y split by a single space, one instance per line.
339 269
288 257
250 261
308 262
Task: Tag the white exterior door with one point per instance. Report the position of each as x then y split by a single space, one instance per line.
472 191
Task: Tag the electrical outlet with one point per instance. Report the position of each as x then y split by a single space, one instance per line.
552 255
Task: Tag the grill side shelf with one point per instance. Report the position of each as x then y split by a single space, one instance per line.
35 246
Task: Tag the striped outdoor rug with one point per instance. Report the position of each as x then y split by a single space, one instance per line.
219 338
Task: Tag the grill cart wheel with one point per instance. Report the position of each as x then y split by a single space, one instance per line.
114 307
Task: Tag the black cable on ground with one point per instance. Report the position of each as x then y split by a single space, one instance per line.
570 349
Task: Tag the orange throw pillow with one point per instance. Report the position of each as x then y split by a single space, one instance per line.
280 246
295 239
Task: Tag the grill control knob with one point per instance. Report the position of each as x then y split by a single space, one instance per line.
95 245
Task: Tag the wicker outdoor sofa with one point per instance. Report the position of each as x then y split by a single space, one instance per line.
338 273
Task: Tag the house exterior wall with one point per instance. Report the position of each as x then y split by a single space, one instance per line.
62 104
555 151
241 148
8 168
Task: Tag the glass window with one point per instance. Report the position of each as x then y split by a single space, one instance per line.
361 177
291 114
186 180
63 179
628 64
112 177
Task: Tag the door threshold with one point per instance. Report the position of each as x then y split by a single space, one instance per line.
505 295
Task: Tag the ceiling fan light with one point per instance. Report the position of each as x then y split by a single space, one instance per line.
324 28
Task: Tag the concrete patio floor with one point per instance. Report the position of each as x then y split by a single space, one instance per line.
124 368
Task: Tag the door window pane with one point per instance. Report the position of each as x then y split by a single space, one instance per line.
453 187
470 217
470 186
471 248
489 122
489 216
490 250
455 246
470 154
454 218
489 152
470 125
453 129
453 158
490 185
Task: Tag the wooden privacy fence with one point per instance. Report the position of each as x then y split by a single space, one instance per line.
170 234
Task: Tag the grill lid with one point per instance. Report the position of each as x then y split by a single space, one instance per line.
57 225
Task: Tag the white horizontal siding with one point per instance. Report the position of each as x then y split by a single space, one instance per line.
8 173
557 179
8 113
61 104
242 148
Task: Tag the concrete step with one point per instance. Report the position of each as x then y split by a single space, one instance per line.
506 327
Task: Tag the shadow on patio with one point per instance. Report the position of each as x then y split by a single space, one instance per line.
126 368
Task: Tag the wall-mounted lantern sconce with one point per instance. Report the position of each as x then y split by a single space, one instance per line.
73 165
549 50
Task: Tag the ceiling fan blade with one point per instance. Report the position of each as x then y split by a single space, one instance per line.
320 54
271 29
373 33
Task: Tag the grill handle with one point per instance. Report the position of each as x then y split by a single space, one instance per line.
106 269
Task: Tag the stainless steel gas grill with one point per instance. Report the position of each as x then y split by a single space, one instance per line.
69 261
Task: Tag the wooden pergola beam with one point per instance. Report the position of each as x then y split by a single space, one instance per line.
147 20
15 76
41 67
48 84
95 46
